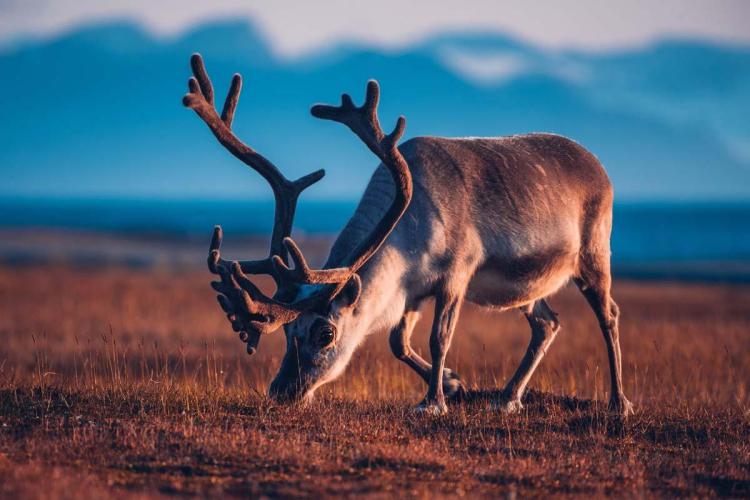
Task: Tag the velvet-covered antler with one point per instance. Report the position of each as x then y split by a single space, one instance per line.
363 121
251 312
200 98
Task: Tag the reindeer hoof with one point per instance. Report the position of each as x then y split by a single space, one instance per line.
433 409
507 407
621 406
453 388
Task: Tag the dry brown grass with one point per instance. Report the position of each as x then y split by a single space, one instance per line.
119 382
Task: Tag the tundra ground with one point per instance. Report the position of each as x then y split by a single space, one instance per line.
122 382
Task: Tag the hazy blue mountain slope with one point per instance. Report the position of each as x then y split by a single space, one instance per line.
683 82
97 112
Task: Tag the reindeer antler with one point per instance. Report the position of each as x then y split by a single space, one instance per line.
251 312
363 121
286 192
201 100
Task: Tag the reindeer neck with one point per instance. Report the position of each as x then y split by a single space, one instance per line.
382 300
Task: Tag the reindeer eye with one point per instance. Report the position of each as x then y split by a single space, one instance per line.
326 336
324 331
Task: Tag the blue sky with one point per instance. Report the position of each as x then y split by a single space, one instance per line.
295 28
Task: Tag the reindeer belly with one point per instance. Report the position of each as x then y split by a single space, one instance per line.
506 283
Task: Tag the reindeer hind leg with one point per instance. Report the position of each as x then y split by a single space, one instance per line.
595 283
544 327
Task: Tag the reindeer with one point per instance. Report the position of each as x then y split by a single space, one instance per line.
501 222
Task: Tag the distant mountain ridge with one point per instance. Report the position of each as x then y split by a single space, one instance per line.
96 112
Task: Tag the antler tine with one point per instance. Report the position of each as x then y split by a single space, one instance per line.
302 273
214 252
199 70
233 97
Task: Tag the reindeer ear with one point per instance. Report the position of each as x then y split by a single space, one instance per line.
349 296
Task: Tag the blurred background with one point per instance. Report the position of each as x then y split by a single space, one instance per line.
100 163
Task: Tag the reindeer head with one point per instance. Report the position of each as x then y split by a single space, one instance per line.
315 306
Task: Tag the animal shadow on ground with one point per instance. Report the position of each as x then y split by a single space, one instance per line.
533 399
577 415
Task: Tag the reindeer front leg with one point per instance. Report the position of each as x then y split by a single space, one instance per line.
400 341
447 307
